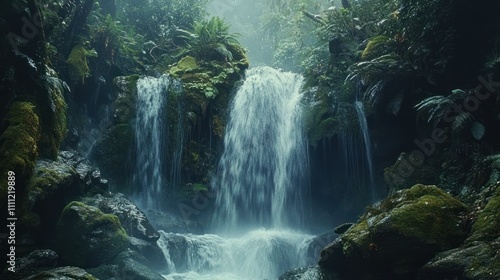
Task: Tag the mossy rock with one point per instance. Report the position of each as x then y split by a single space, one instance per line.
399 235
186 64
86 237
52 185
487 225
64 272
476 260
19 145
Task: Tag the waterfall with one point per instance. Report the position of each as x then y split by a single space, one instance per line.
262 190
154 141
363 126
262 179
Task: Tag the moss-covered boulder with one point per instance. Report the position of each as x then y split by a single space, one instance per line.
86 237
64 272
396 237
131 217
487 225
53 185
479 257
477 260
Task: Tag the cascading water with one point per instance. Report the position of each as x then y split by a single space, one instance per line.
363 126
263 170
151 140
262 190
258 254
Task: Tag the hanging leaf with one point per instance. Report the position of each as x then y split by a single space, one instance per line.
477 130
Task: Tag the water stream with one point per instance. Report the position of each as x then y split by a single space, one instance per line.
363 126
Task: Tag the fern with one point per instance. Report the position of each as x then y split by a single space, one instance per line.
210 39
435 107
380 66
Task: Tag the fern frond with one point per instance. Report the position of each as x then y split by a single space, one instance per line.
436 106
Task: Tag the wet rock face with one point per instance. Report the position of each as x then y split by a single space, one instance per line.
63 273
308 273
33 263
128 265
479 256
395 238
86 237
131 217
56 183
151 251
477 260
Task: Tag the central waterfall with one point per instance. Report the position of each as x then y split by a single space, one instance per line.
262 190
263 171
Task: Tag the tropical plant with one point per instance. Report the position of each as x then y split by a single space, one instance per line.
211 40
443 109
112 38
434 108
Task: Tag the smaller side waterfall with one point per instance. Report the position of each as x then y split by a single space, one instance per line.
363 126
155 141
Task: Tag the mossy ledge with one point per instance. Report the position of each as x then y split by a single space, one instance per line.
19 145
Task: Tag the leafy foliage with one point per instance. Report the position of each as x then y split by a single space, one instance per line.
211 40
434 108
113 38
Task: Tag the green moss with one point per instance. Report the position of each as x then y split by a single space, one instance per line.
487 225
376 47
87 237
424 213
356 238
186 64
430 218
77 60
19 143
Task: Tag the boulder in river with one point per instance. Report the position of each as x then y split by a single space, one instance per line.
86 237
395 238
131 217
